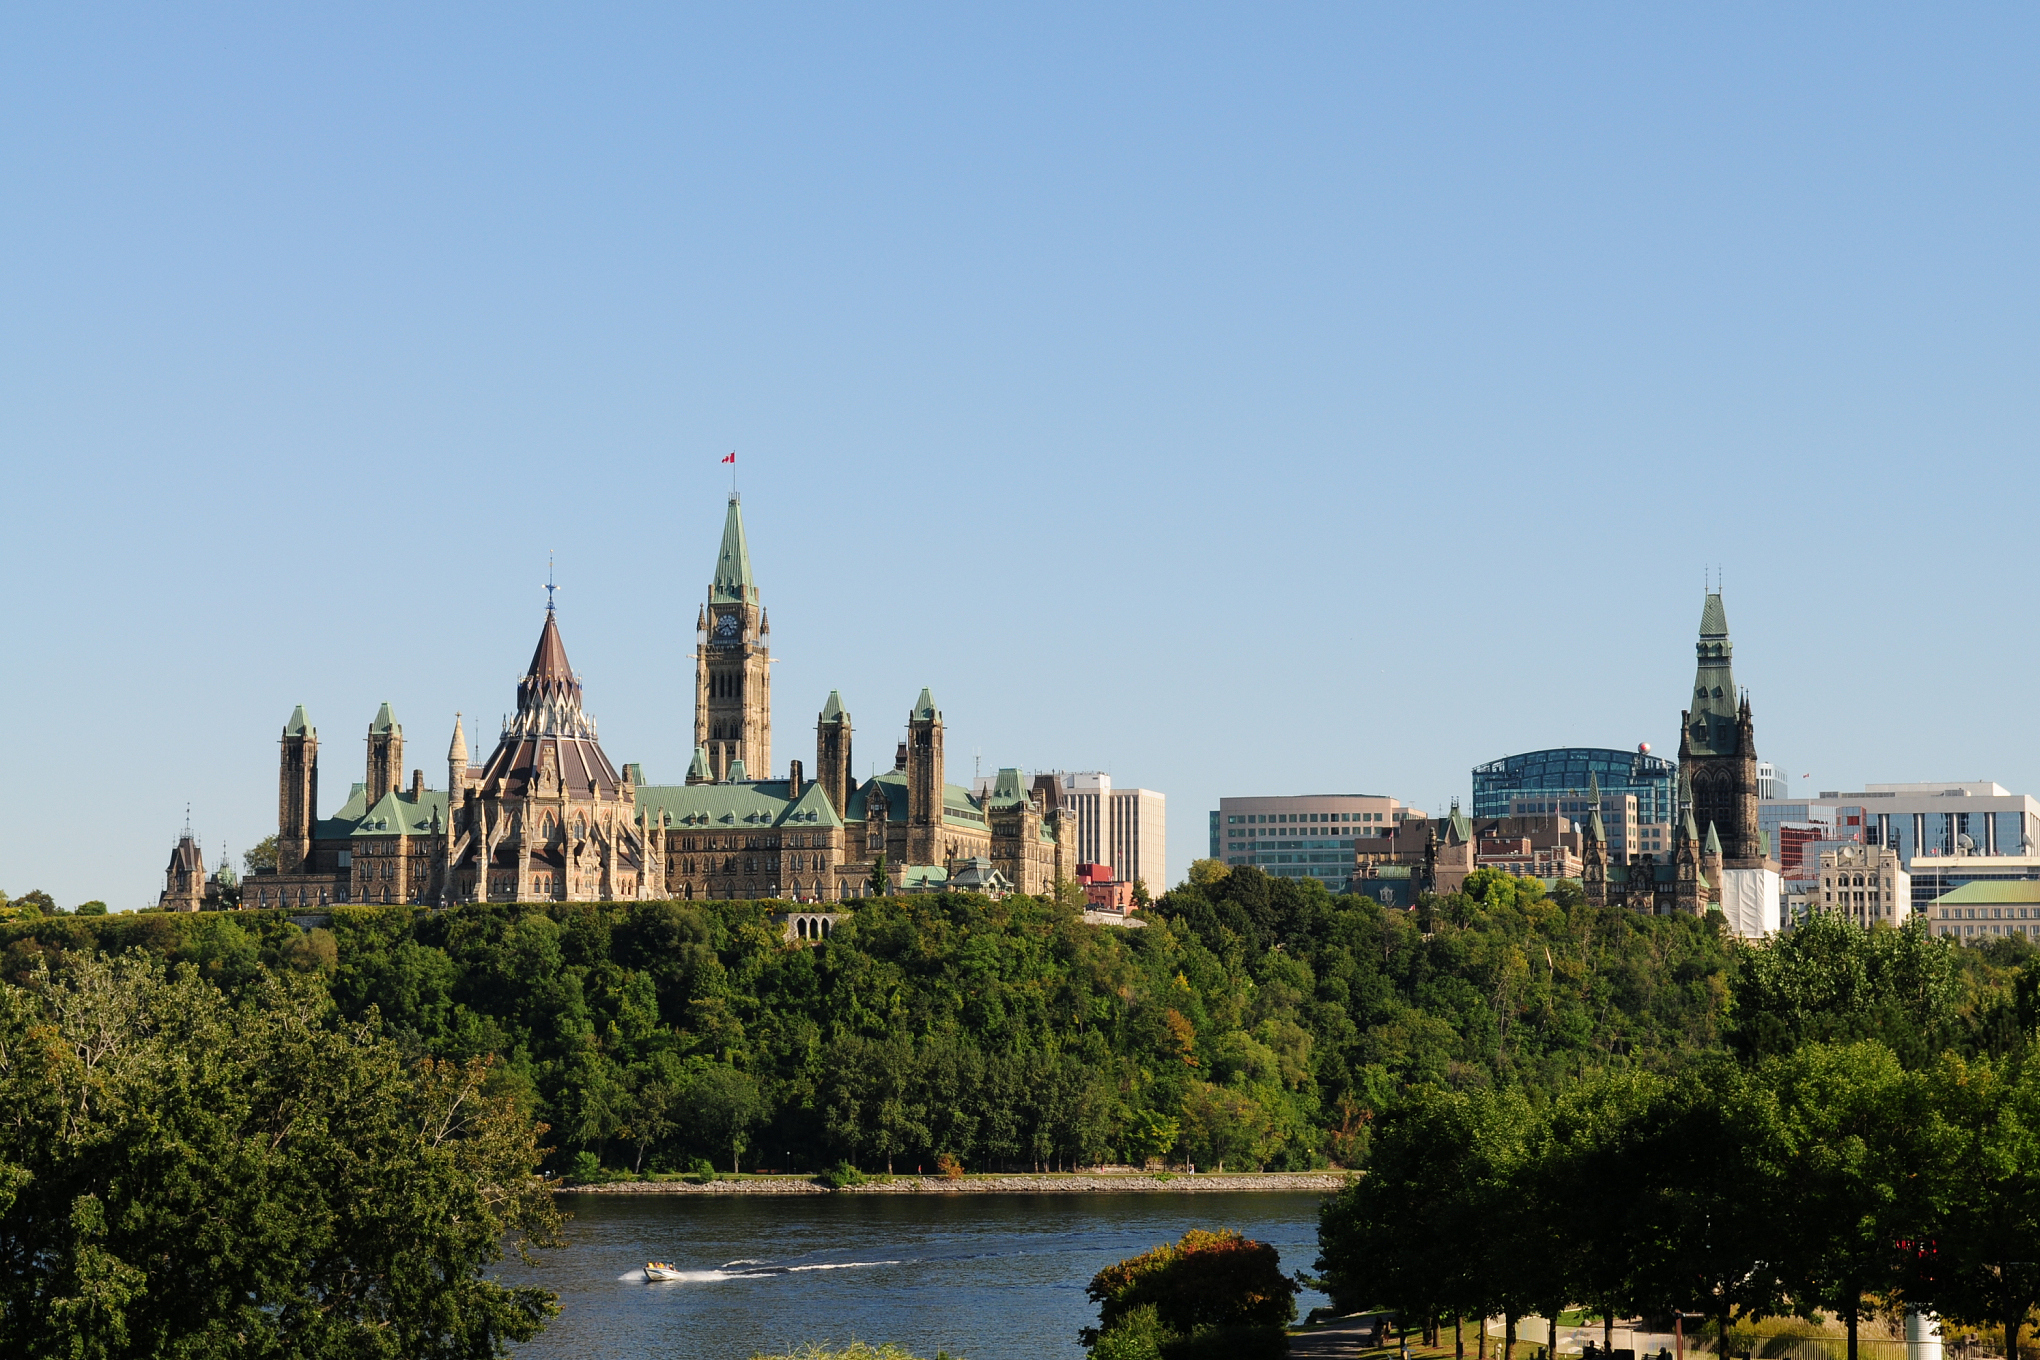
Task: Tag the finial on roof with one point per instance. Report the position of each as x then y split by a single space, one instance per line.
549 586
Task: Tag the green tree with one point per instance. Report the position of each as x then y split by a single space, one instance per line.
723 1105
1985 1260
877 882
185 1175
93 908
260 857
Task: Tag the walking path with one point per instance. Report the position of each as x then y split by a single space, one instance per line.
1076 1183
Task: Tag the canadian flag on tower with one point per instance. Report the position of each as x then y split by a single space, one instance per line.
731 458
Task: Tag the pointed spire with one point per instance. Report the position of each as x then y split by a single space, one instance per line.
549 658
457 751
733 564
832 711
1595 830
737 774
1690 831
1713 841
299 725
385 720
924 707
1593 789
697 769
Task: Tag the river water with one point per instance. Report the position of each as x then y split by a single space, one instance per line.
983 1276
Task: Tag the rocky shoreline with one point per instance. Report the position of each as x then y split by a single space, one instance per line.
1073 1183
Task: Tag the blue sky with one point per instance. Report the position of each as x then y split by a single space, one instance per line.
1244 400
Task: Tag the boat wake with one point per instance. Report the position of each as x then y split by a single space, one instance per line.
747 1270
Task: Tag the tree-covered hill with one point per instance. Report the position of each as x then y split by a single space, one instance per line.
1257 1021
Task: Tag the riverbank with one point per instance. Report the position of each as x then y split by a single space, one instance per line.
1070 1183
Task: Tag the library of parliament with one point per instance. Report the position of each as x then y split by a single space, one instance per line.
547 816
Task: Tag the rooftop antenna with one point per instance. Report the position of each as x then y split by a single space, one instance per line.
549 586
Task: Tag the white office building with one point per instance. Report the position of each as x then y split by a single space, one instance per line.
1125 828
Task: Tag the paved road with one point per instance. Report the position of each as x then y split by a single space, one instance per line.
1335 1339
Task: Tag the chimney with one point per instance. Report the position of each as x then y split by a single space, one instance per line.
793 773
900 758
417 784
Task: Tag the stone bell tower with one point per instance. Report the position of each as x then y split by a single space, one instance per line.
832 753
385 755
924 781
733 656
297 793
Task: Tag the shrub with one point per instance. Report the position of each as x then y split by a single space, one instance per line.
949 1168
1212 1293
842 1174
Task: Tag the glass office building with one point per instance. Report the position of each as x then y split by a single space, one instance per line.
1563 774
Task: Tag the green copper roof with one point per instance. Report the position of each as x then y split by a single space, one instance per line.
924 707
1690 831
1008 788
733 564
1713 840
736 807
698 767
1711 716
299 725
1713 618
1595 830
385 721
1993 893
396 814
832 711
738 775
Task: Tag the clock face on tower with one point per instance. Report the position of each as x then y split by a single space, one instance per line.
726 627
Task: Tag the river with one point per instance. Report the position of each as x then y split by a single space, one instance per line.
986 1277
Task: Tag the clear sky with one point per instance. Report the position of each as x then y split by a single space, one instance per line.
1244 400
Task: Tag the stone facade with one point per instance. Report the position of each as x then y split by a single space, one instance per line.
548 817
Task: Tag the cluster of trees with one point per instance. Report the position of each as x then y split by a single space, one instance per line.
186 1174
1256 1023
1866 1137
1213 1294
36 904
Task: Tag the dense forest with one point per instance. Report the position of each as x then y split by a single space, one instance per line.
1256 1022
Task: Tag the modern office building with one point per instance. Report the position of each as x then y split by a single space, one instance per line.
1510 785
1305 835
1770 784
1924 821
1124 828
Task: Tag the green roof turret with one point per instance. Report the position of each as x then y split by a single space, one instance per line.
832 711
733 582
385 720
1713 840
1711 718
924 707
299 725
737 772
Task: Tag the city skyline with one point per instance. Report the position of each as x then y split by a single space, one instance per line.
1242 403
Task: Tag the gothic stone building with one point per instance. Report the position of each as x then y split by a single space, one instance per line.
548 817
1717 790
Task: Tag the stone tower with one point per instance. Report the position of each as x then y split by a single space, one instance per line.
1718 748
456 764
297 793
924 781
385 755
733 671
832 753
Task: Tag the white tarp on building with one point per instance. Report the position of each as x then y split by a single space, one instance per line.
1749 899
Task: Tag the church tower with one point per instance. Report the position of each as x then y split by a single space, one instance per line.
1718 748
732 669
924 781
385 755
297 793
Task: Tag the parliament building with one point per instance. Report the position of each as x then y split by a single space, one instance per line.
548 817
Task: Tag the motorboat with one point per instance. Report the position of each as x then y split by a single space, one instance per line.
660 1270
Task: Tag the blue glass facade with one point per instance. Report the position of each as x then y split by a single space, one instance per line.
1564 772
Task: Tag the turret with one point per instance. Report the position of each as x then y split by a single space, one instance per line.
924 779
385 755
832 753
297 792
456 764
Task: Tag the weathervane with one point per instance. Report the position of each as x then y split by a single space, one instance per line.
549 586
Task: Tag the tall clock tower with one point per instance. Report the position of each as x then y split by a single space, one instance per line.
732 668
